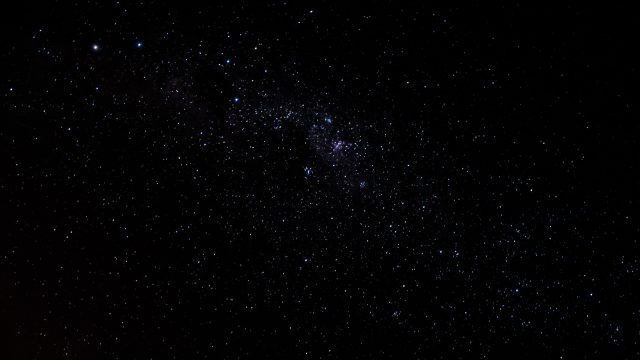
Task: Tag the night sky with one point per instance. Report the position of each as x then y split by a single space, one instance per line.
318 180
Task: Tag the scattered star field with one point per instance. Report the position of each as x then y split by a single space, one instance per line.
318 180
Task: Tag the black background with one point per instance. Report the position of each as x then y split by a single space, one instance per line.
473 194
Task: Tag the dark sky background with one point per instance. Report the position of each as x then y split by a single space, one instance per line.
318 180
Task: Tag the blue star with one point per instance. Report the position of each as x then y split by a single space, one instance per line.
236 100
139 44
95 47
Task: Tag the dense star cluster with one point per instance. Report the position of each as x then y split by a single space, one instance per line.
318 180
